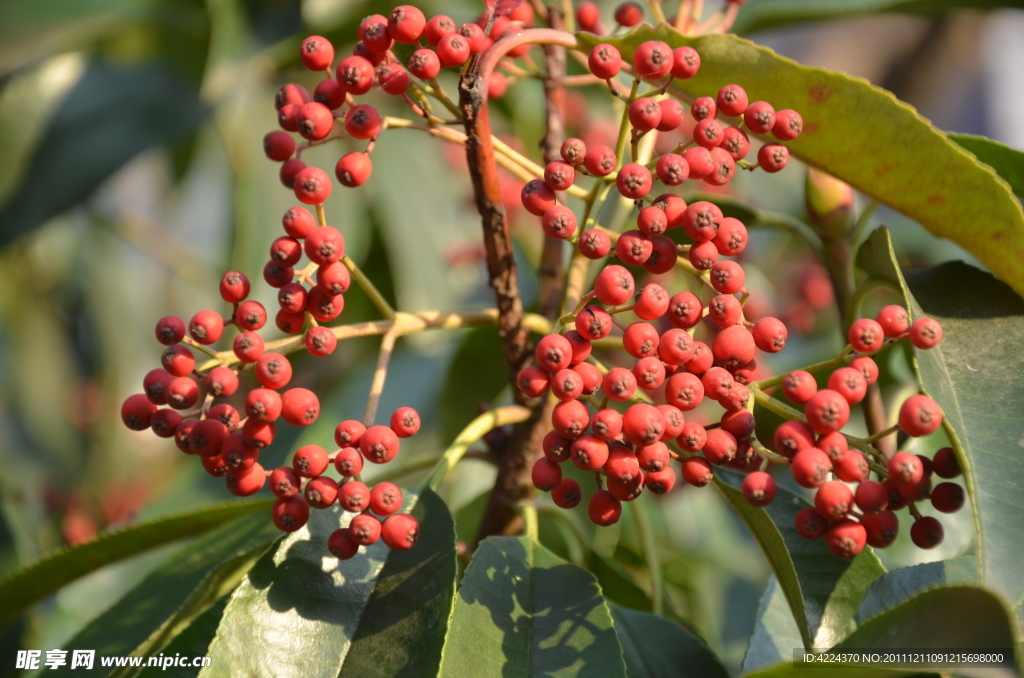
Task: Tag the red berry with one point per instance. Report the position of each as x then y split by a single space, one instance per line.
340 544
604 61
772 157
699 161
288 118
871 497
594 244
649 373
629 14
920 416
759 117
438 27
453 50
348 462
600 161
290 94
284 482
329 93
927 532
365 529
701 220
643 424
278 145
684 391
740 423
567 385
833 500
641 340
406 23
720 446
537 197
731 238
475 36
553 352
559 222
849 383
614 285
250 316
685 62
732 100
893 320
634 248
685 310
533 381
724 169
735 142
867 367
289 170
315 121
400 531
568 494
759 488
925 333
137 412
811 467
948 497
697 471
946 464
424 64
355 74
316 53
725 311
846 538
652 221
827 411
833 444
273 370
245 482
770 335
588 15
555 447
727 277
619 384
170 330
353 496
405 422
385 499
788 125
672 115
709 133
606 424
672 169
312 186
660 482
733 346
604 509
546 474
852 467
634 181
154 385
793 437
320 341
799 386
182 393
379 444
571 418
866 336
165 422
348 433
653 59
588 452
675 347
810 524
221 382
300 406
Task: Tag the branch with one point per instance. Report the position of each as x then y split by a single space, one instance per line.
551 267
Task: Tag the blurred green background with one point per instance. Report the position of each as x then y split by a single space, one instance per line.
132 176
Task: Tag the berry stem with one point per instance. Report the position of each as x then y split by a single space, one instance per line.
196 345
380 375
881 434
477 429
438 93
863 221
530 530
841 361
648 541
772 457
371 290
659 18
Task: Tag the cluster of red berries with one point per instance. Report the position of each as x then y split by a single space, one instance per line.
372 62
818 448
629 448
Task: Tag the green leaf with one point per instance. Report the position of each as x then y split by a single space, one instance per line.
924 621
477 374
193 642
863 135
896 586
974 375
522 611
165 602
823 591
775 631
1007 161
41 579
758 15
381 612
654 647
108 117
